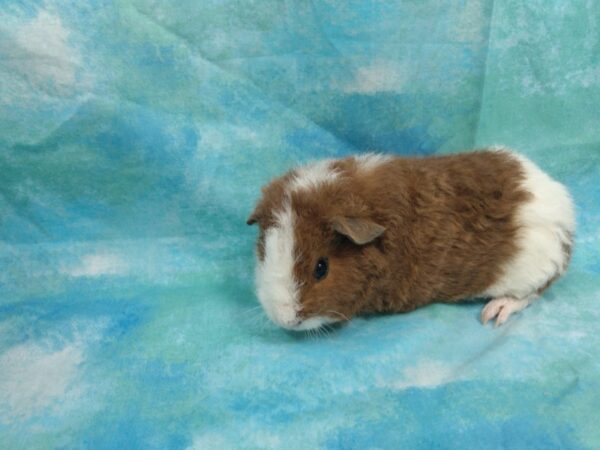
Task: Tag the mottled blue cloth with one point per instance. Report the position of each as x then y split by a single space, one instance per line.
134 138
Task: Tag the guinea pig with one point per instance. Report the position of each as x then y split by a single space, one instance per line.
385 234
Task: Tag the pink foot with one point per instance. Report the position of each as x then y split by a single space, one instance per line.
501 308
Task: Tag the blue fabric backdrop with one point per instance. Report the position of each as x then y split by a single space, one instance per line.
134 138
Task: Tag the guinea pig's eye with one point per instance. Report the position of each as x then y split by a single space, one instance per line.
321 268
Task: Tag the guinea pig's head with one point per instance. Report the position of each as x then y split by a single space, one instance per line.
318 252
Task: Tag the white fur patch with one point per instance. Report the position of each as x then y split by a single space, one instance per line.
277 289
547 223
313 175
370 161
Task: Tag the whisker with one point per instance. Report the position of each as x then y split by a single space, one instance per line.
253 317
339 314
264 321
264 326
250 315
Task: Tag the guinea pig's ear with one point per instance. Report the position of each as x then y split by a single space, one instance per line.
256 214
253 218
360 231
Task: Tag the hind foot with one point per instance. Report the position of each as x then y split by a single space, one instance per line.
502 307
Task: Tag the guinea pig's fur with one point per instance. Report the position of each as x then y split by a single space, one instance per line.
399 233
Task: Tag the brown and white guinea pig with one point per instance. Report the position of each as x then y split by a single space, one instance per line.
379 233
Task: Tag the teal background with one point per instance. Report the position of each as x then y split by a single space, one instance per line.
134 138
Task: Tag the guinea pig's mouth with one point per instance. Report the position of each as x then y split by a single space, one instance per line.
310 323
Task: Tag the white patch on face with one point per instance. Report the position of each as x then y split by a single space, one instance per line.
547 223
313 175
370 161
277 289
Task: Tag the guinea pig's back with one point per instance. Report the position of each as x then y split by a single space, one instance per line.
480 223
